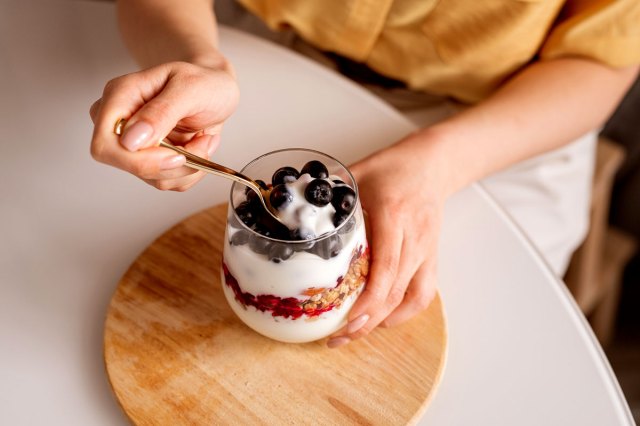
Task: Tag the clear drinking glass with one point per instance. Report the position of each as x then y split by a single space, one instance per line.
294 291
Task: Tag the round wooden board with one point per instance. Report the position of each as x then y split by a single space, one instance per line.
176 354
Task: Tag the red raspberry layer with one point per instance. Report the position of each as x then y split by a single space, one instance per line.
288 307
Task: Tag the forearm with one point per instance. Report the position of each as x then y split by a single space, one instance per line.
159 31
543 107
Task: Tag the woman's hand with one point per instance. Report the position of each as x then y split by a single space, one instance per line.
403 189
183 102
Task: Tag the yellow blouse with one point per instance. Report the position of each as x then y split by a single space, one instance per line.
460 48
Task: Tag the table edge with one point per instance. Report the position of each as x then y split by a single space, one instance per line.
571 307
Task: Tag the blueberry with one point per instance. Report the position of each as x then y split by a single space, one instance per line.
255 207
239 238
339 218
268 226
262 230
256 204
246 213
285 175
334 245
304 239
318 192
233 221
251 195
316 169
301 234
260 183
259 245
338 182
280 197
328 248
344 199
279 252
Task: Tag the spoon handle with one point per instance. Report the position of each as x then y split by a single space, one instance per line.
199 163
203 164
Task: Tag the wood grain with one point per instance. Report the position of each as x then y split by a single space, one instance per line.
176 354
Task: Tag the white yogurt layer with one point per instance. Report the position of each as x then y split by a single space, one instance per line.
301 214
257 275
300 330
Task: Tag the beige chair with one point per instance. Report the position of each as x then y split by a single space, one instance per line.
594 276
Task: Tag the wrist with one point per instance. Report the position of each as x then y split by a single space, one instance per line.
213 60
431 146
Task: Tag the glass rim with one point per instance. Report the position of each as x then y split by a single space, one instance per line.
312 240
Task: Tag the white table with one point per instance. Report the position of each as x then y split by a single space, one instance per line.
519 353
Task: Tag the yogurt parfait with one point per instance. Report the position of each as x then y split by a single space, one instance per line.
295 279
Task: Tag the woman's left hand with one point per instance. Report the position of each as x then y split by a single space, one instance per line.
402 188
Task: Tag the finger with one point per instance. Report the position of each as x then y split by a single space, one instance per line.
189 185
214 143
179 184
159 115
121 97
200 146
386 244
420 282
419 294
409 264
181 137
152 163
93 111
358 327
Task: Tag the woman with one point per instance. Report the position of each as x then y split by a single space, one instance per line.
536 76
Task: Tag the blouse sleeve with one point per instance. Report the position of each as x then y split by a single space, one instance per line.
607 31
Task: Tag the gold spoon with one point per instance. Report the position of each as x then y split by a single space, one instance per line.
200 163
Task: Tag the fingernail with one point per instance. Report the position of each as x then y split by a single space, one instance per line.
172 162
338 341
357 323
136 135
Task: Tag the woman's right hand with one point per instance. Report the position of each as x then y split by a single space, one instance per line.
183 102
